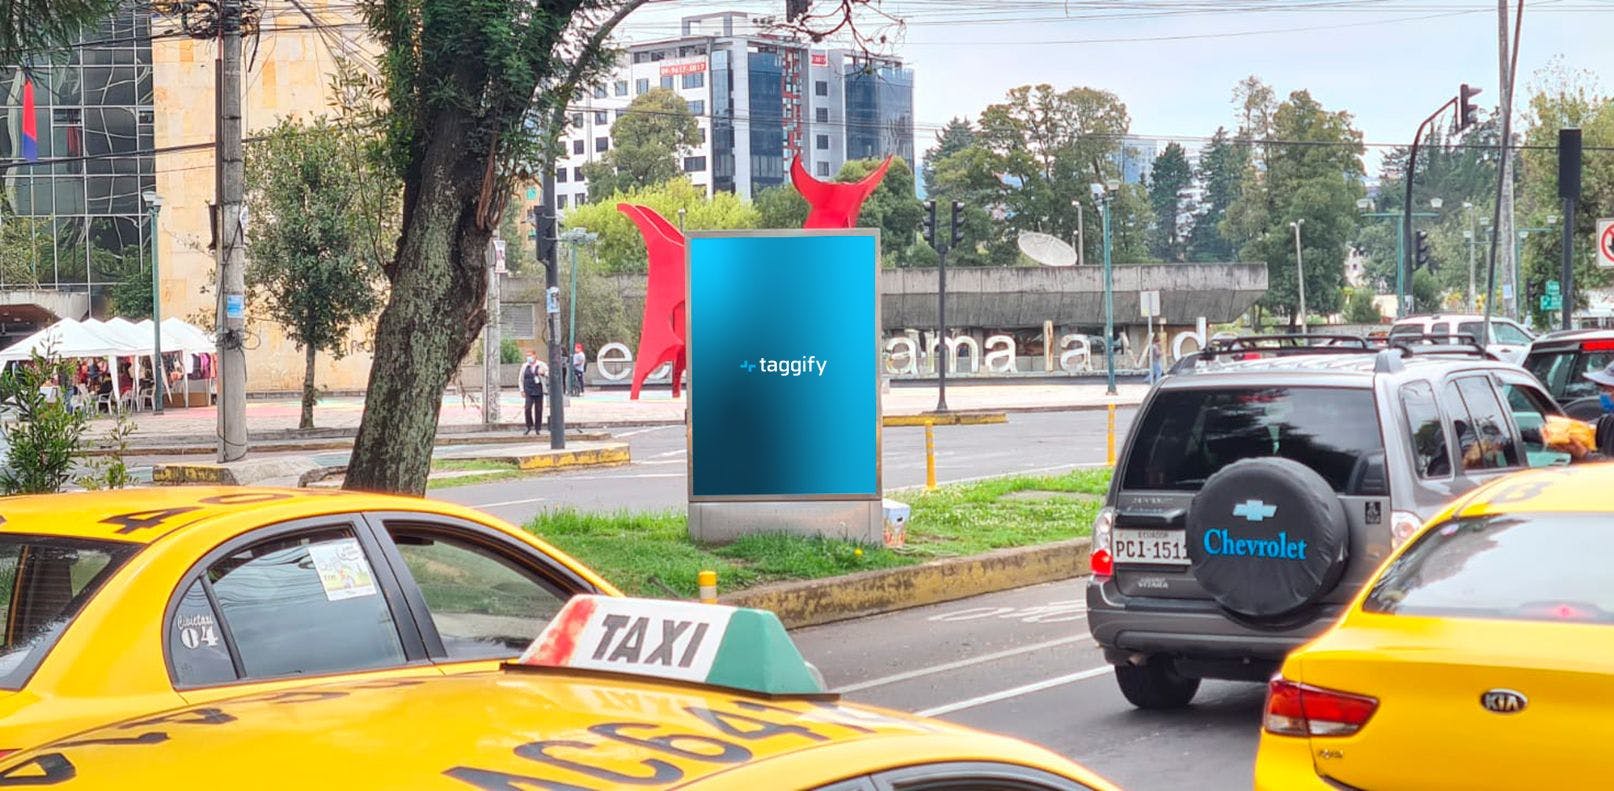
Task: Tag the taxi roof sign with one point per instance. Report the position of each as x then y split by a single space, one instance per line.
708 644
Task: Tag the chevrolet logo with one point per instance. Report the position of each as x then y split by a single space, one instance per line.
1254 510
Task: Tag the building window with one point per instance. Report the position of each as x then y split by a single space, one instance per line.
694 164
577 147
821 115
599 91
617 115
602 144
582 198
667 82
697 107
577 175
822 143
703 134
621 88
577 120
560 201
823 170
602 117
696 80
560 175
641 85
820 88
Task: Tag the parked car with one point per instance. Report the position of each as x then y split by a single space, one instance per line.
1561 361
1255 496
1508 342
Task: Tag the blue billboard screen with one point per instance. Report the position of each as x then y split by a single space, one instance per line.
784 366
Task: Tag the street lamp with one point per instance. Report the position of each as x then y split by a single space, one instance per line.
159 373
1300 273
1101 195
1436 203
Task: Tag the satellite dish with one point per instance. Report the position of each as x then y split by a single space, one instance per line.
1047 250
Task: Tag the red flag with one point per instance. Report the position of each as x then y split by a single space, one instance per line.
30 134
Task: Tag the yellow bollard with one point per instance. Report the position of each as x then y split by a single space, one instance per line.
930 455
1109 439
708 583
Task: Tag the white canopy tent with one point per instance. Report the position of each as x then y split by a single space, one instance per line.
70 339
183 337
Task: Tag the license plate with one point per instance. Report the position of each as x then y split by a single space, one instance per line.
1169 547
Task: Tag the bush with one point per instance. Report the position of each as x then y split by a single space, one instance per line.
47 438
509 352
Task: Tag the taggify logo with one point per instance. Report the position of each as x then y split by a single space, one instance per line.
800 366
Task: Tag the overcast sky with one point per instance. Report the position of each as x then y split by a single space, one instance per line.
1175 62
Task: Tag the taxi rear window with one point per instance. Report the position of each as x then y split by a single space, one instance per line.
44 582
1187 435
1530 567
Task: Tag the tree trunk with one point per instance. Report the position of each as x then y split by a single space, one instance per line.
435 312
307 420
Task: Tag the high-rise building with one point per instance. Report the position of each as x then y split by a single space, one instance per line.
760 100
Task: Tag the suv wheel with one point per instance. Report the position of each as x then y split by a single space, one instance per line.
1155 684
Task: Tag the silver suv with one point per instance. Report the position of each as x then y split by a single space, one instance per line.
1265 480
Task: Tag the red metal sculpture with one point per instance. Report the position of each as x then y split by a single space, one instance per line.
662 338
834 205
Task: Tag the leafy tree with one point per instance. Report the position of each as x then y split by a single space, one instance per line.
958 135
969 175
32 26
1360 307
25 242
520 253
621 249
647 145
1222 163
1050 145
1170 175
780 207
46 439
1317 179
893 207
1564 99
308 246
131 295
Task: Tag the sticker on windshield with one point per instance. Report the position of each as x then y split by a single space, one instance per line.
343 571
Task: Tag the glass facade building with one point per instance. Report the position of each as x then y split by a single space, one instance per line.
722 122
879 111
767 105
76 217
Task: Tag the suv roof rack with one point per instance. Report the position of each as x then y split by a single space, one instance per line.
1277 345
1444 344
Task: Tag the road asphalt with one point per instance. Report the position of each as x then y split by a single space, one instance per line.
1021 662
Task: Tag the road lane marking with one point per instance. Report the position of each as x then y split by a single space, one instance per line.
962 663
646 430
508 502
1014 693
1052 612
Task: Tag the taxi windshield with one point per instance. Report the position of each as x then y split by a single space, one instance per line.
44 582
1535 567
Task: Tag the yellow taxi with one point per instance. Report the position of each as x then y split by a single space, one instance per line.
126 602
1480 656
614 693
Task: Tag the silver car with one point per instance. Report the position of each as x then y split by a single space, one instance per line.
1264 481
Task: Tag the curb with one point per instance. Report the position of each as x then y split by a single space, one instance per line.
945 419
282 446
814 602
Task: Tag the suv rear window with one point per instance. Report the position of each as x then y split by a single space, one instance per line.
1189 434
1564 371
44 582
1533 567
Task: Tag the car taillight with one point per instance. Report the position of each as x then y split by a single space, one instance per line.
1301 710
1402 526
1597 346
1101 562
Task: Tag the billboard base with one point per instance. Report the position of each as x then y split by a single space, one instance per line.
862 521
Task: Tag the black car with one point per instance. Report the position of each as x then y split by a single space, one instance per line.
1562 360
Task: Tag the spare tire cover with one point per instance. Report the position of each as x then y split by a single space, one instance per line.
1267 537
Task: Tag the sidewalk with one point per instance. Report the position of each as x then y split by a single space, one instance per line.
606 409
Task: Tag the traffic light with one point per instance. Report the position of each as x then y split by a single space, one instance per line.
1467 112
543 222
1422 260
958 223
930 225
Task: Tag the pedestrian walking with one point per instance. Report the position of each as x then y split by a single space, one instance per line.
1157 357
579 365
532 387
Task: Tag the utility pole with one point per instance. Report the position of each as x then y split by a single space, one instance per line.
1102 196
1504 227
1300 273
232 289
1472 234
492 334
546 227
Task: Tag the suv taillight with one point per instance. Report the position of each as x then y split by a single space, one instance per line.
1301 710
1402 526
1101 562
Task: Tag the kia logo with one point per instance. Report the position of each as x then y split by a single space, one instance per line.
1503 701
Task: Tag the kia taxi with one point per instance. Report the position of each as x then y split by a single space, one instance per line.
1480 656
120 603
614 693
